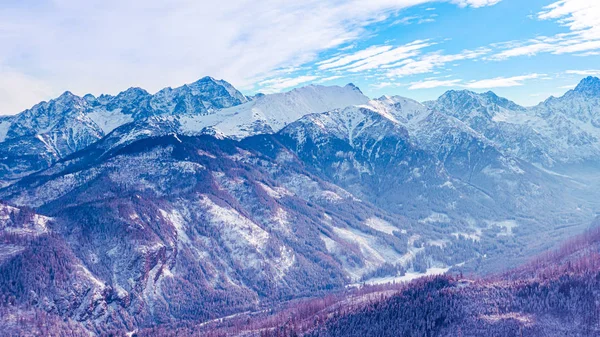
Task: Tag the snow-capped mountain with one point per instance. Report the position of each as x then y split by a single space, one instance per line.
557 132
572 122
270 113
36 138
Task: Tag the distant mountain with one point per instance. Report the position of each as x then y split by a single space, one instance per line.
560 131
35 138
270 113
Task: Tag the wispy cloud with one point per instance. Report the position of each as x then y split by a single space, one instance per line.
588 72
416 19
498 82
330 78
340 61
278 84
381 85
430 62
386 58
582 17
476 3
430 84
502 82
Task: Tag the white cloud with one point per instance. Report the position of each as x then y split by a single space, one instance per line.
581 17
589 53
409 20
429 84
578 15
531 49
382 85
105 46
498 82
330 78
430 62
340 61
502 82
588 72
279 84
394 55
475 3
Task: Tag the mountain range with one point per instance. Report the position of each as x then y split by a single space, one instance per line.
125 212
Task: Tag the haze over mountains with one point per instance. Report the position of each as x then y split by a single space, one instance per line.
124 212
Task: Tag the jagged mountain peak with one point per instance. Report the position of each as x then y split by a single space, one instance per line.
465 104
59 107
133 91
485 98
351 85
399 108
90 98
396 101
207 79
67 95
589 86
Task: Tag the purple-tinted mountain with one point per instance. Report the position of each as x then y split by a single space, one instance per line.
149 213
176 228
38 137
556 294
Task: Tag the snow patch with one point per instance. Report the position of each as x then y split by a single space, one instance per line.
275 192
176 219
507 226
374 252
4 127
435 218
8 251
381 225
109 120
470 236
407 277
237 229
517 316
207 154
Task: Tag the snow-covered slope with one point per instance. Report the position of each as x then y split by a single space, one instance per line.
270 113
273 112
265 114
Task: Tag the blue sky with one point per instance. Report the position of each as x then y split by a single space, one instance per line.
523 50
